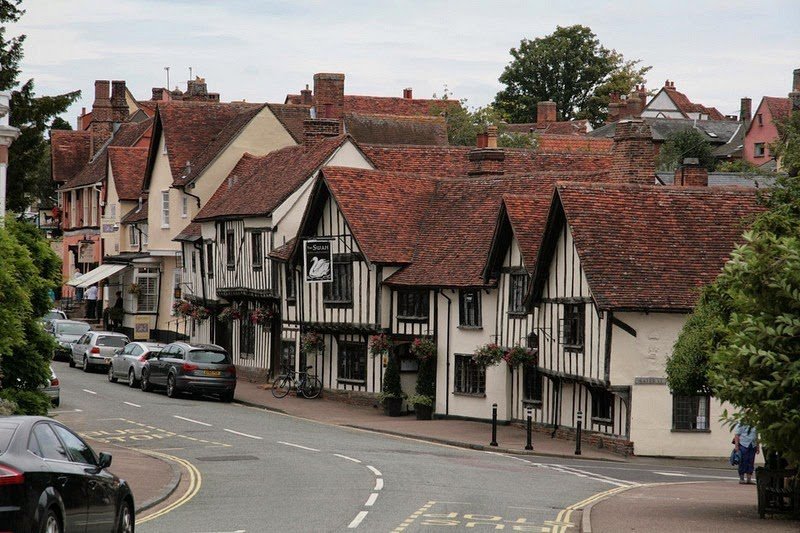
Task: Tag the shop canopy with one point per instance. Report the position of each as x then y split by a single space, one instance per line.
98 274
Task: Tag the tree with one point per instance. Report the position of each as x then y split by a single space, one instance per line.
787 147
682 144
569 67
33 115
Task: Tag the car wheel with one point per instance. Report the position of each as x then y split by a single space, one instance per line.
125 521
111 377
51 523
132 382
172 389
85 364
71 362
145 383
56 401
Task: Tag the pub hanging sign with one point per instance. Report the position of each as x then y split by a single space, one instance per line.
317 261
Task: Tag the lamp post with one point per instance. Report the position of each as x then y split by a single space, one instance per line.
7 135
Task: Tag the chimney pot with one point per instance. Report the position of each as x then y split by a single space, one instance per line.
305 96
407 93
491 137
482 140
633 154
546 112
328 95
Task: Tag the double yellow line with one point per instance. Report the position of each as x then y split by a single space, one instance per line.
562 521
195 481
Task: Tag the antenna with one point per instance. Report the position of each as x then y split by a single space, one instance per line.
167 69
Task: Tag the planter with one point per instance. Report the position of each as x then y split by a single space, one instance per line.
392 406
423 412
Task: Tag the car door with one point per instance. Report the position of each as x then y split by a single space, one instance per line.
134 352
67 477
100 484
79 347
156 366
118 362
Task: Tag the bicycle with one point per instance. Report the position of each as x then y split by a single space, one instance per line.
306 384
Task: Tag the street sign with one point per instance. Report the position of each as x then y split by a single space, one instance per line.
317 261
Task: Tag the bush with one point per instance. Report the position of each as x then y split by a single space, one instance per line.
26 402
426 381
391 380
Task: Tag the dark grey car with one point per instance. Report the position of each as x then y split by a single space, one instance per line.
192 368
127 362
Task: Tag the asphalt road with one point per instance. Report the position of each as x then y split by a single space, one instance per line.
263 471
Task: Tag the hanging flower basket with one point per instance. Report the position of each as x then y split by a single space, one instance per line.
134 289
423 348
311 342
379 344
199 312
520 356
187 309
261 316
488 355
229 313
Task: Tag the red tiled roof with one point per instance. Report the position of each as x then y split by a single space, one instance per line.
396 129
148 107
686 106
128 166
549 142
190 233
528 217
388 105
645 247
778 107
257 185
136 214
563 127
284 253
70 151
292 117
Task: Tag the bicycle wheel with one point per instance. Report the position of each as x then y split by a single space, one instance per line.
281 386
312 387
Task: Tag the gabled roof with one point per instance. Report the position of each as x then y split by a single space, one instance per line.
644 247
292 117
259 184
686 106
136 214
127 166
388 105
715 131
527 215
191 233
779 108
70 151
397 129
284 252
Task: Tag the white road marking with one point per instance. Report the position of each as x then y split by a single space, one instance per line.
371 499
348 458
378 484
591 475
75 411
374 470
242 434
298 446
132 404
191 420
89 391
357 520
676 474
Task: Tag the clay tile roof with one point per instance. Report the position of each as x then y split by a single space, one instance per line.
258 184
292 117
686 106
70 151
778 107
128 166
645 247
284 253
148 107
387 105
396 129
563 127
190 233
528 216
550 142
136 214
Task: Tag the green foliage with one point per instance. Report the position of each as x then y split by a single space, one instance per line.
569 67
787 147
10 49
682 144
391 379
739 165
26 402
426 380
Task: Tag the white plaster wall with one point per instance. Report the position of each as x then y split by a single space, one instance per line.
646 354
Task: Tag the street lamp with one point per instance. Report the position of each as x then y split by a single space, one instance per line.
7 135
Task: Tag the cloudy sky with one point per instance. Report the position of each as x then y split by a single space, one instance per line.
717 51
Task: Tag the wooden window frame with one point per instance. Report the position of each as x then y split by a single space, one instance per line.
209 260
469 377
687 409
517 308
345 367
532 385
230 249
290 284
573 327
331 296
145 273
602 406
463 316
411 303
165 209
282 361
247 337
257 237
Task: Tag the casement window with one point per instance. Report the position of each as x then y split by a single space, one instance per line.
113 209
210 259
184 206
690 413
291 287
144 229
288 351
194 263
230 250
247 337
531 384
352 362
469 308
256 250
470 377
412 305
760 118
339 292
147 299
133 235
573 327
517 289
164 209
759 150
602 406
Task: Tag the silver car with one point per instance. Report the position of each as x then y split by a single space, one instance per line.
66 333
53 314
96 348
52 388
127 363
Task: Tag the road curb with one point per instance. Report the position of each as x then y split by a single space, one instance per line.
167 491
266 408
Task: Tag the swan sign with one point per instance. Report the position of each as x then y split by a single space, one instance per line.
318 261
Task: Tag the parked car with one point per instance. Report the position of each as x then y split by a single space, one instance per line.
53 314
67 332
193 368
95 348
127 363
53 388
51 480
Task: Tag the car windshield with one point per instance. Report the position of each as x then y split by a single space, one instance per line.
6 432
206 356
116 342
53 315
72 329
152 353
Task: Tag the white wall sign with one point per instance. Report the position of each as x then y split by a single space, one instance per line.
317 261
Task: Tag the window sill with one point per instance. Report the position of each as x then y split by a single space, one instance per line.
338 305
231 267
352 381
257 268
164 226
416 319
537 404
470 394
673 430
291 302
468 328
573 349
602 421
517 314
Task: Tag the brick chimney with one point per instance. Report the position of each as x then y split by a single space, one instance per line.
119 104
641 91
102 125
794 96
160 94
487 158
329 95
305 96
318 129
545 112
691 174
633 106
614 107
746 111
633 154
408 93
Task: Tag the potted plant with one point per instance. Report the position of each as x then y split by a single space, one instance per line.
134 289
391 396
424 349
488 354
519 356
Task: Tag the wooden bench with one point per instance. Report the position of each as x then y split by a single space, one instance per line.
778 492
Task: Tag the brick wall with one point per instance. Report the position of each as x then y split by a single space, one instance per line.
632 155
616 445
317 129
329 95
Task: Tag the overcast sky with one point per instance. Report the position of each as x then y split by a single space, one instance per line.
716 51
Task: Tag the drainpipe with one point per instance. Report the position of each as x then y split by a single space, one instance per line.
447 343
158 297
202 269
197 198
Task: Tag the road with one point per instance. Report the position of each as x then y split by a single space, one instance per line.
264 471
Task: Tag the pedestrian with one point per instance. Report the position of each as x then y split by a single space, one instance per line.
91 302
117 312
745 440
78 290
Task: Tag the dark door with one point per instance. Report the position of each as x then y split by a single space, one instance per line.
223 336
156 366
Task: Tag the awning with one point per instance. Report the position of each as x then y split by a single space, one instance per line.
98 274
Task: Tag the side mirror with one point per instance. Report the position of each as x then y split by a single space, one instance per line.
104 460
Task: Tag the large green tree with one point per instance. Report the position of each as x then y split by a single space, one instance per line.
686 143
29 158
786 148
569 67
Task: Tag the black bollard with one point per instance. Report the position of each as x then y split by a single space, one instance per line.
578 434
494 425
529 444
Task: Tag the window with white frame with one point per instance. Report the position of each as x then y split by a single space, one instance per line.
144 228
113 209
147 283
133 235
164 209
184 207
690 413
470 377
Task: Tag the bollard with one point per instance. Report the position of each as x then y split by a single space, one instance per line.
529 444
578 434
494 425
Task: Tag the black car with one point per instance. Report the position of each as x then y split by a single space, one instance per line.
194 368
52 481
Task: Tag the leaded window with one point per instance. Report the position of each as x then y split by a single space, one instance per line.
256 249
469 306
352 361
470 377
340 290
209 259
247 337
573 327
291 288
230 250
412 305
288 351
518 288
602 406
690 413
